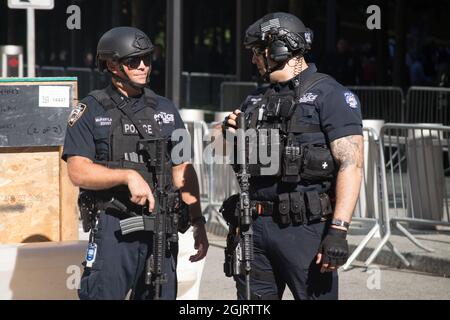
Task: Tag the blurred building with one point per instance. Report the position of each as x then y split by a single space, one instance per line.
212 34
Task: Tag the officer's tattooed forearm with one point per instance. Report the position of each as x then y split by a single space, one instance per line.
348 151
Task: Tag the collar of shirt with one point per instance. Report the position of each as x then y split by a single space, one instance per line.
124 97
136 106
293 82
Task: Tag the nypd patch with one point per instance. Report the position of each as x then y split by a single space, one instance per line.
350 99
76 113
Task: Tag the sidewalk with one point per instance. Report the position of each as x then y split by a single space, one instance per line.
435 263
378 282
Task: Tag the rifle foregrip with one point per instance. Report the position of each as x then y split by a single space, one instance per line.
240 121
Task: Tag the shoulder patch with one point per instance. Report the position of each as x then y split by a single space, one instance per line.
76 113
165 117
350 99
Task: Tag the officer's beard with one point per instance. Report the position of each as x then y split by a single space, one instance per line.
268 70
298 68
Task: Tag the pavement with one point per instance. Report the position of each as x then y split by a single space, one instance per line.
436 262
386 279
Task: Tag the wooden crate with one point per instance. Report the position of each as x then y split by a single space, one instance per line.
37 199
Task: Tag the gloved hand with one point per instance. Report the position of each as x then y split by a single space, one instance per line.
333 251
230 122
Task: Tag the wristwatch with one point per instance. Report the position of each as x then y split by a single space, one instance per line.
340 223
198 220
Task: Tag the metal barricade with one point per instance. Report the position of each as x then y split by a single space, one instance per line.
369 206
100 79
414 181
428 105
202 90
48 71
197 131
232 94
85 79
385 103
222 183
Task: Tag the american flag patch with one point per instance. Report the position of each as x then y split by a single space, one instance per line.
273 23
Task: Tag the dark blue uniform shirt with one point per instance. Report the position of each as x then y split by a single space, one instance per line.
92 125
328 103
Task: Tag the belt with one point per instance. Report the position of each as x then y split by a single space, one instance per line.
271 208
264 208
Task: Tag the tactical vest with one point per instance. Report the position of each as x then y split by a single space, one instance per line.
129 128
298 161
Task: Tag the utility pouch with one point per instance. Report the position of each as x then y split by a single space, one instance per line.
279 105
229 265
284 208
229 209
318 163
298 210
314 209
291 162
86 204
325 204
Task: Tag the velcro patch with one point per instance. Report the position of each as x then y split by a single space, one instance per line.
76 113
308 97
165 117
103 121
129 129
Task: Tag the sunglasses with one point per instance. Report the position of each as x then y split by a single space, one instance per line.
135 62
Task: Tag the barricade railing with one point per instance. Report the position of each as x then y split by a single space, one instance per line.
385 103
406 180
222 183
428 105
369 208
232 94
202 90
215 179
414 181
214 91
49 71
197 131
85 79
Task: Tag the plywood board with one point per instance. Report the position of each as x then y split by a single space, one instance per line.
68 204
30 196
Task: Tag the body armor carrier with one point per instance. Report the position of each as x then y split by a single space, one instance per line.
278 114
135 142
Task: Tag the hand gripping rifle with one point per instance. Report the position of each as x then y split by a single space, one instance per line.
170 216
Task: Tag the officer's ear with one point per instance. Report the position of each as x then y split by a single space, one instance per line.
112 66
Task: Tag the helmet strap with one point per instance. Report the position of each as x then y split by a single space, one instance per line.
127 80
269 70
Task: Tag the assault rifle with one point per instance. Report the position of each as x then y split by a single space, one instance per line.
237 212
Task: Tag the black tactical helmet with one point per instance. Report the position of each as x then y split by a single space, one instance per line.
282 33
122 42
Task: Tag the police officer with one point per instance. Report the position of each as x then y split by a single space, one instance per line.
101 152
301 213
